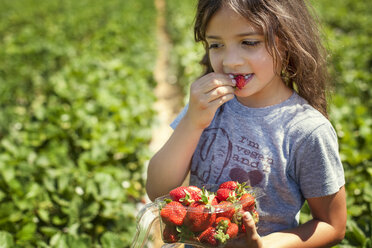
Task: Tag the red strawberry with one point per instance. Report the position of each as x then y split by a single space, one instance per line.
214 201
199 217
225 195
232 185
242 228
195 193
173 213
223 220
248 201
208 236
170 234
240 81
178 193
232 230
225 209
185 195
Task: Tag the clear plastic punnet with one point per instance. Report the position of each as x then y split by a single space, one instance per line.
207 221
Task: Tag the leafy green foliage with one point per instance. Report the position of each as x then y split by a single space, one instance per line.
76 112
349 39
185 55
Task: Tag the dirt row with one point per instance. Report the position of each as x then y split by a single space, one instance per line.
169 98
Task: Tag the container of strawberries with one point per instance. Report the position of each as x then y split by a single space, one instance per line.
210 216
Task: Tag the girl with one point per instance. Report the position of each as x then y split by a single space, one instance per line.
259 114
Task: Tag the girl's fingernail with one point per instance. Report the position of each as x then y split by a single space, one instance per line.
233 81
247 216
231 76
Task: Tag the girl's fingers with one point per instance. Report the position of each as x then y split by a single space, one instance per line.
213 81
221 100
219 92
252 236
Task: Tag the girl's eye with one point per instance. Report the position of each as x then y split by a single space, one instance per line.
214 45
251 43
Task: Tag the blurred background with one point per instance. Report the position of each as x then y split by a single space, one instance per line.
80 86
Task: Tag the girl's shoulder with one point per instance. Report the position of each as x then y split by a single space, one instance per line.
303 116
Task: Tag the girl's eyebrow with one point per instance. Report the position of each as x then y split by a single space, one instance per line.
253 33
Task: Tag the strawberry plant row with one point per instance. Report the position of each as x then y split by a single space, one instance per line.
75 120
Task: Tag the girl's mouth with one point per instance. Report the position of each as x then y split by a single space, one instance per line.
241 79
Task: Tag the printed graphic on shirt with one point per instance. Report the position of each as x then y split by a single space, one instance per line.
218 159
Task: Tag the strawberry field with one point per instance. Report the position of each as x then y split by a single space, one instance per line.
76 114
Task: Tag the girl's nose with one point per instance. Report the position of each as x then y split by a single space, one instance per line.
232 58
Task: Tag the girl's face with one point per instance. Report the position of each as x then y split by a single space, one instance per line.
237 47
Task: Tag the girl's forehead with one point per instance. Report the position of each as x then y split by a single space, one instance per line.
226 20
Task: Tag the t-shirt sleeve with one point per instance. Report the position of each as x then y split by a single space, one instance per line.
179 117
318 168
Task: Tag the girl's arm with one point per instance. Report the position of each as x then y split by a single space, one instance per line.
171 164
169 167
327 228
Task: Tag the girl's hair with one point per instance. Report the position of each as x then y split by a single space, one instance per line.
299 50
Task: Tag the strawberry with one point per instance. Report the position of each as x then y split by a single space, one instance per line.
199 217
170 234
222 220
232 185
178 193
242 228
185 195
225 209
173 213
225 195
208 236
218 235
240 81
195 193
248 201
232 230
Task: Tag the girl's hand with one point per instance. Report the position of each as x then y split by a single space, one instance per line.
251 239
207 94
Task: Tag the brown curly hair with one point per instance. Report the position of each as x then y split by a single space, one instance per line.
299 50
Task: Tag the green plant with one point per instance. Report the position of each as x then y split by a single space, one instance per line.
75 121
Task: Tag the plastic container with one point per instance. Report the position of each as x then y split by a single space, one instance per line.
187 232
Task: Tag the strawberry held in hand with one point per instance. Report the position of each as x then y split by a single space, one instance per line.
240 81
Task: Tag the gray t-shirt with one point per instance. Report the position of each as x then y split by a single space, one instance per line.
288 150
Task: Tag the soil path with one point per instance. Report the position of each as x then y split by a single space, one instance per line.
169 97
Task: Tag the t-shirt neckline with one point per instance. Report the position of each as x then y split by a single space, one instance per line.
241 109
